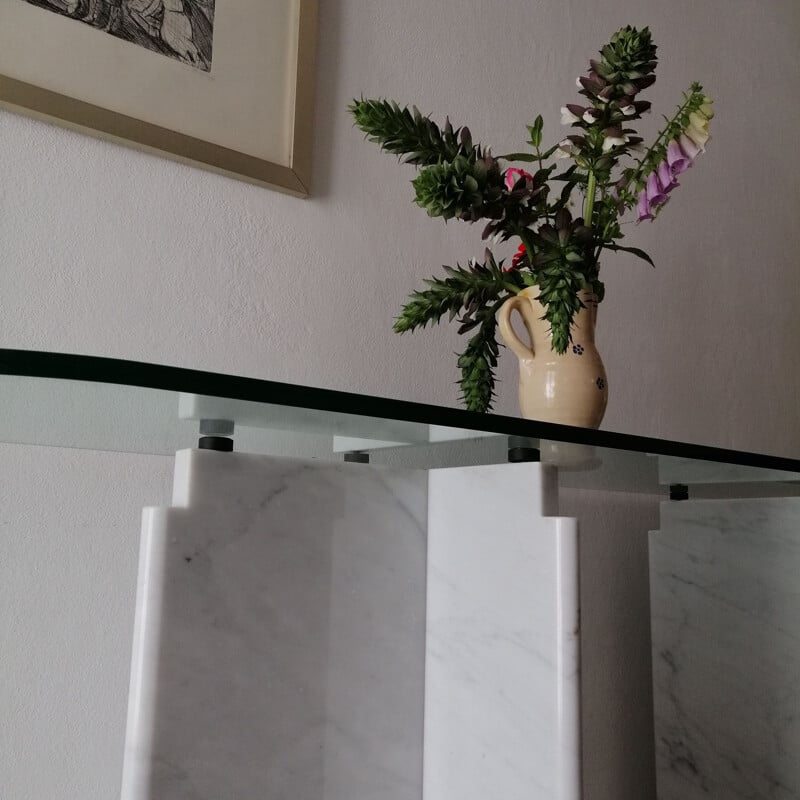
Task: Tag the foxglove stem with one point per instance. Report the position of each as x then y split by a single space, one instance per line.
643 160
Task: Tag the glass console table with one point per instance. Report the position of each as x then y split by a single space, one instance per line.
355 598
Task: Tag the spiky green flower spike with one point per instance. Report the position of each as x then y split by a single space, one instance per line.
408 133
626 66
458 188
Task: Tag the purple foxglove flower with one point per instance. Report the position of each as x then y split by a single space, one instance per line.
676 159
643 208
666 178
655 195
689 148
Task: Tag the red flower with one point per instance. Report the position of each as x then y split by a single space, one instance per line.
517 260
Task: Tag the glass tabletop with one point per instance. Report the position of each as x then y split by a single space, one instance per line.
88 402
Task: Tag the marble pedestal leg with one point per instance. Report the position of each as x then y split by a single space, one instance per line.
726 649
502 665
279 636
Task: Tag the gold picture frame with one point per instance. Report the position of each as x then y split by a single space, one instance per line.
292 177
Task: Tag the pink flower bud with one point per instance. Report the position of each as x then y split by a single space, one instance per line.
513 174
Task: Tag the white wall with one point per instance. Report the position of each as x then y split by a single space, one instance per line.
111 252
69 540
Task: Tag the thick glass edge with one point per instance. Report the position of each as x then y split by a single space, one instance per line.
100 369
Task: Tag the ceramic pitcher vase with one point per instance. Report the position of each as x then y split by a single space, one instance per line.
570 389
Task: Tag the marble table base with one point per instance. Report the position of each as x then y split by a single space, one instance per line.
725 603
300 626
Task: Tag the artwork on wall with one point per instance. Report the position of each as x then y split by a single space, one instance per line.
224 86
182 29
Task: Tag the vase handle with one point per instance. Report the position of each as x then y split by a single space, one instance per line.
514 303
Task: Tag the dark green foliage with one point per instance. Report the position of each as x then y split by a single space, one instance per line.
475 293
562 266
559 294
410 134
535 132
451 188
457 178
478 362
465 290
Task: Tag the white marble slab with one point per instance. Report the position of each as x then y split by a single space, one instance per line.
725 595
279 638
502 715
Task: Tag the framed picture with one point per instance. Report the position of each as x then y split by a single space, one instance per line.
226 85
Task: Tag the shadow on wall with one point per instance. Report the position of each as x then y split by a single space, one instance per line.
328 106
616 664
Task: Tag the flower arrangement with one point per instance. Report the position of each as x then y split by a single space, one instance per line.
611 173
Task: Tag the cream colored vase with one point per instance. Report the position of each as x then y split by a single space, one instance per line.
570 389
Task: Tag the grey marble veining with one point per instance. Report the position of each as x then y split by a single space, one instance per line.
725 595
280 634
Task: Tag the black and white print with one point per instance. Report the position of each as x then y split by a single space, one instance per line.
180 29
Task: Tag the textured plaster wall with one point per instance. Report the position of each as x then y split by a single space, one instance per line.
69 539
111 252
